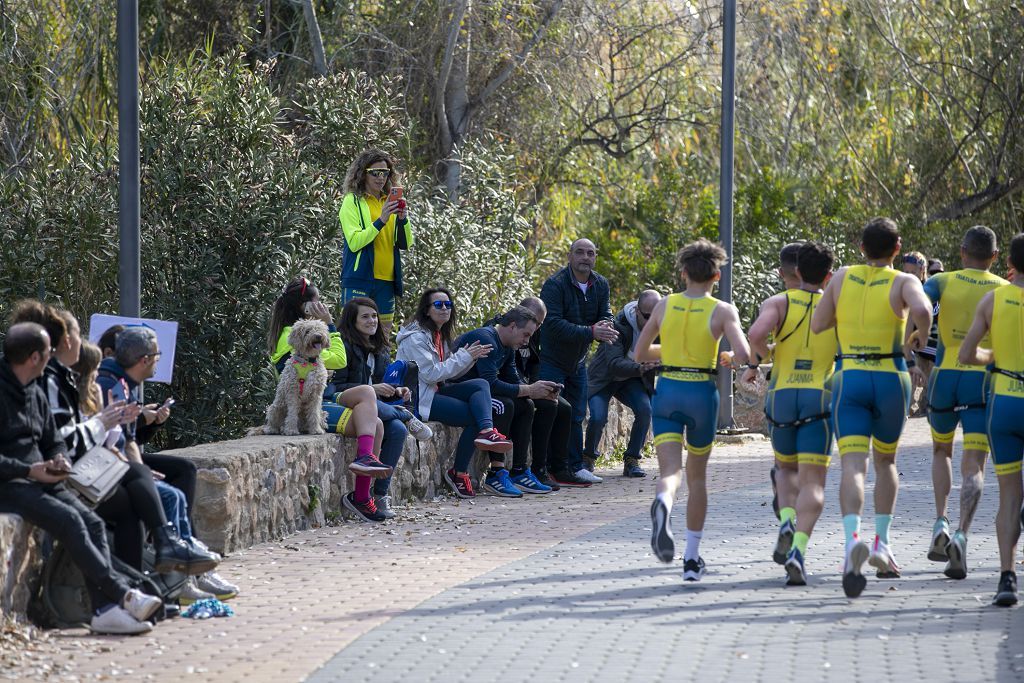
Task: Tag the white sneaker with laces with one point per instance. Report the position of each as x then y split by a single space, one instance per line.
588 476
212 582
140 605
419 431
384 506
190 593
117 621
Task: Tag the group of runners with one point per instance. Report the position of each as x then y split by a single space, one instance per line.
842 349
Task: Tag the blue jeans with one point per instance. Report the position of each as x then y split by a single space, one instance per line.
464 404
633 394
176 509
575 392
395 432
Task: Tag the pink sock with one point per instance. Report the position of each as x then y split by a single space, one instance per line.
362 490
365 444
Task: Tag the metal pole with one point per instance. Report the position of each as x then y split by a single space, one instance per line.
725 195
129 271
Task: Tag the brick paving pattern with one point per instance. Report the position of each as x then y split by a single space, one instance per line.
565 588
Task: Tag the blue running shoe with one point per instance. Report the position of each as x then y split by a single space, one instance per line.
500 484
528 483
795 575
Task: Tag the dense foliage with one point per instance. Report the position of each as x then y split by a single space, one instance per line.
520 124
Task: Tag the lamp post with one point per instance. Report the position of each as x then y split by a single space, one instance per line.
129 269
725 192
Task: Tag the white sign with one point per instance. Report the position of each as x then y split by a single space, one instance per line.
166 335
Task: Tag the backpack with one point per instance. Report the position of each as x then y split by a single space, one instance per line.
404 373
63 601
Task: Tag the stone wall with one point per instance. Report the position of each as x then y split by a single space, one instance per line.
21 560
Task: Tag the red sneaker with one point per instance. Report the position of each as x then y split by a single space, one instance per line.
460 484
492 440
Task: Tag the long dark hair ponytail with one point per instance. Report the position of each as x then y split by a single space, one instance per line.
289 308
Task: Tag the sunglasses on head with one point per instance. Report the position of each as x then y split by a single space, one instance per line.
378 172
442 304
913 259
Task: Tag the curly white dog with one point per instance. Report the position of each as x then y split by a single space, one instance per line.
297 404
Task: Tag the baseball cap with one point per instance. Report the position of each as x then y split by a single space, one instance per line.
935 266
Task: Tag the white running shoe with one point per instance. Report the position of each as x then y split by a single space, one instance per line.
212 582
117 621
190 593
140 605
883 560
854 581
940 539
384 506
419 431
586 475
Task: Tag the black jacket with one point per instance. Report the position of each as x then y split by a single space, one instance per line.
356 373
611 362
527 358
566 334
28 433
60 383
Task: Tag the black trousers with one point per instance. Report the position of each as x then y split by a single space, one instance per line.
134 507
179 472
60 513
551 425
516 422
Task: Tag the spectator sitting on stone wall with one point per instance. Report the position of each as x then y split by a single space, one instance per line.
366 356
427 340
615 372
32 468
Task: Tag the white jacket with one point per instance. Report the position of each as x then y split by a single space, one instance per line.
417 344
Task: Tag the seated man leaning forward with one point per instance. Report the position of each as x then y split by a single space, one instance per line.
615 372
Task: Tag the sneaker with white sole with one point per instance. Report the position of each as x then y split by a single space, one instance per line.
854 580
663 543
589 477
883 560
140 605
693 570
190 592
527 483
1006 593
940 539
370 465
956 568
214 583
117 621
500 484
384 505
795 574
419 431
784 542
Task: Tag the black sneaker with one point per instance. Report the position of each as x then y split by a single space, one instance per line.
693 570
1006 594
662 542
367 511
631 468
542 477
570 480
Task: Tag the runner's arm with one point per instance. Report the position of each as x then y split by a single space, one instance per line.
824 317
970 354
732 331
920 311
767 323
645 349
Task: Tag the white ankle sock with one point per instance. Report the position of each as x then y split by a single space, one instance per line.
693 544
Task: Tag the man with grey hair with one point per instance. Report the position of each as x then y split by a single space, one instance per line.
615 372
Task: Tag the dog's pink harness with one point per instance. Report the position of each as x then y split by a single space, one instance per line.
302 367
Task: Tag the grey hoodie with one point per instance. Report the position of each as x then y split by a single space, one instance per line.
629 310
417 344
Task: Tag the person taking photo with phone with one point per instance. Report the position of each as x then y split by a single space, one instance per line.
376 228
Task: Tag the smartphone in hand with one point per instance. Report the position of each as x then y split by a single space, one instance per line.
395 194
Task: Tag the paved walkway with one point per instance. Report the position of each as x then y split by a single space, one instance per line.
565 588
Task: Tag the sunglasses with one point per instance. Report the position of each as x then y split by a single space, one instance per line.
442 304
378 172
644 315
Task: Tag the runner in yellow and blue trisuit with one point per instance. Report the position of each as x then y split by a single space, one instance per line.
868 305
798 404
956 395
1001 315
691 324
